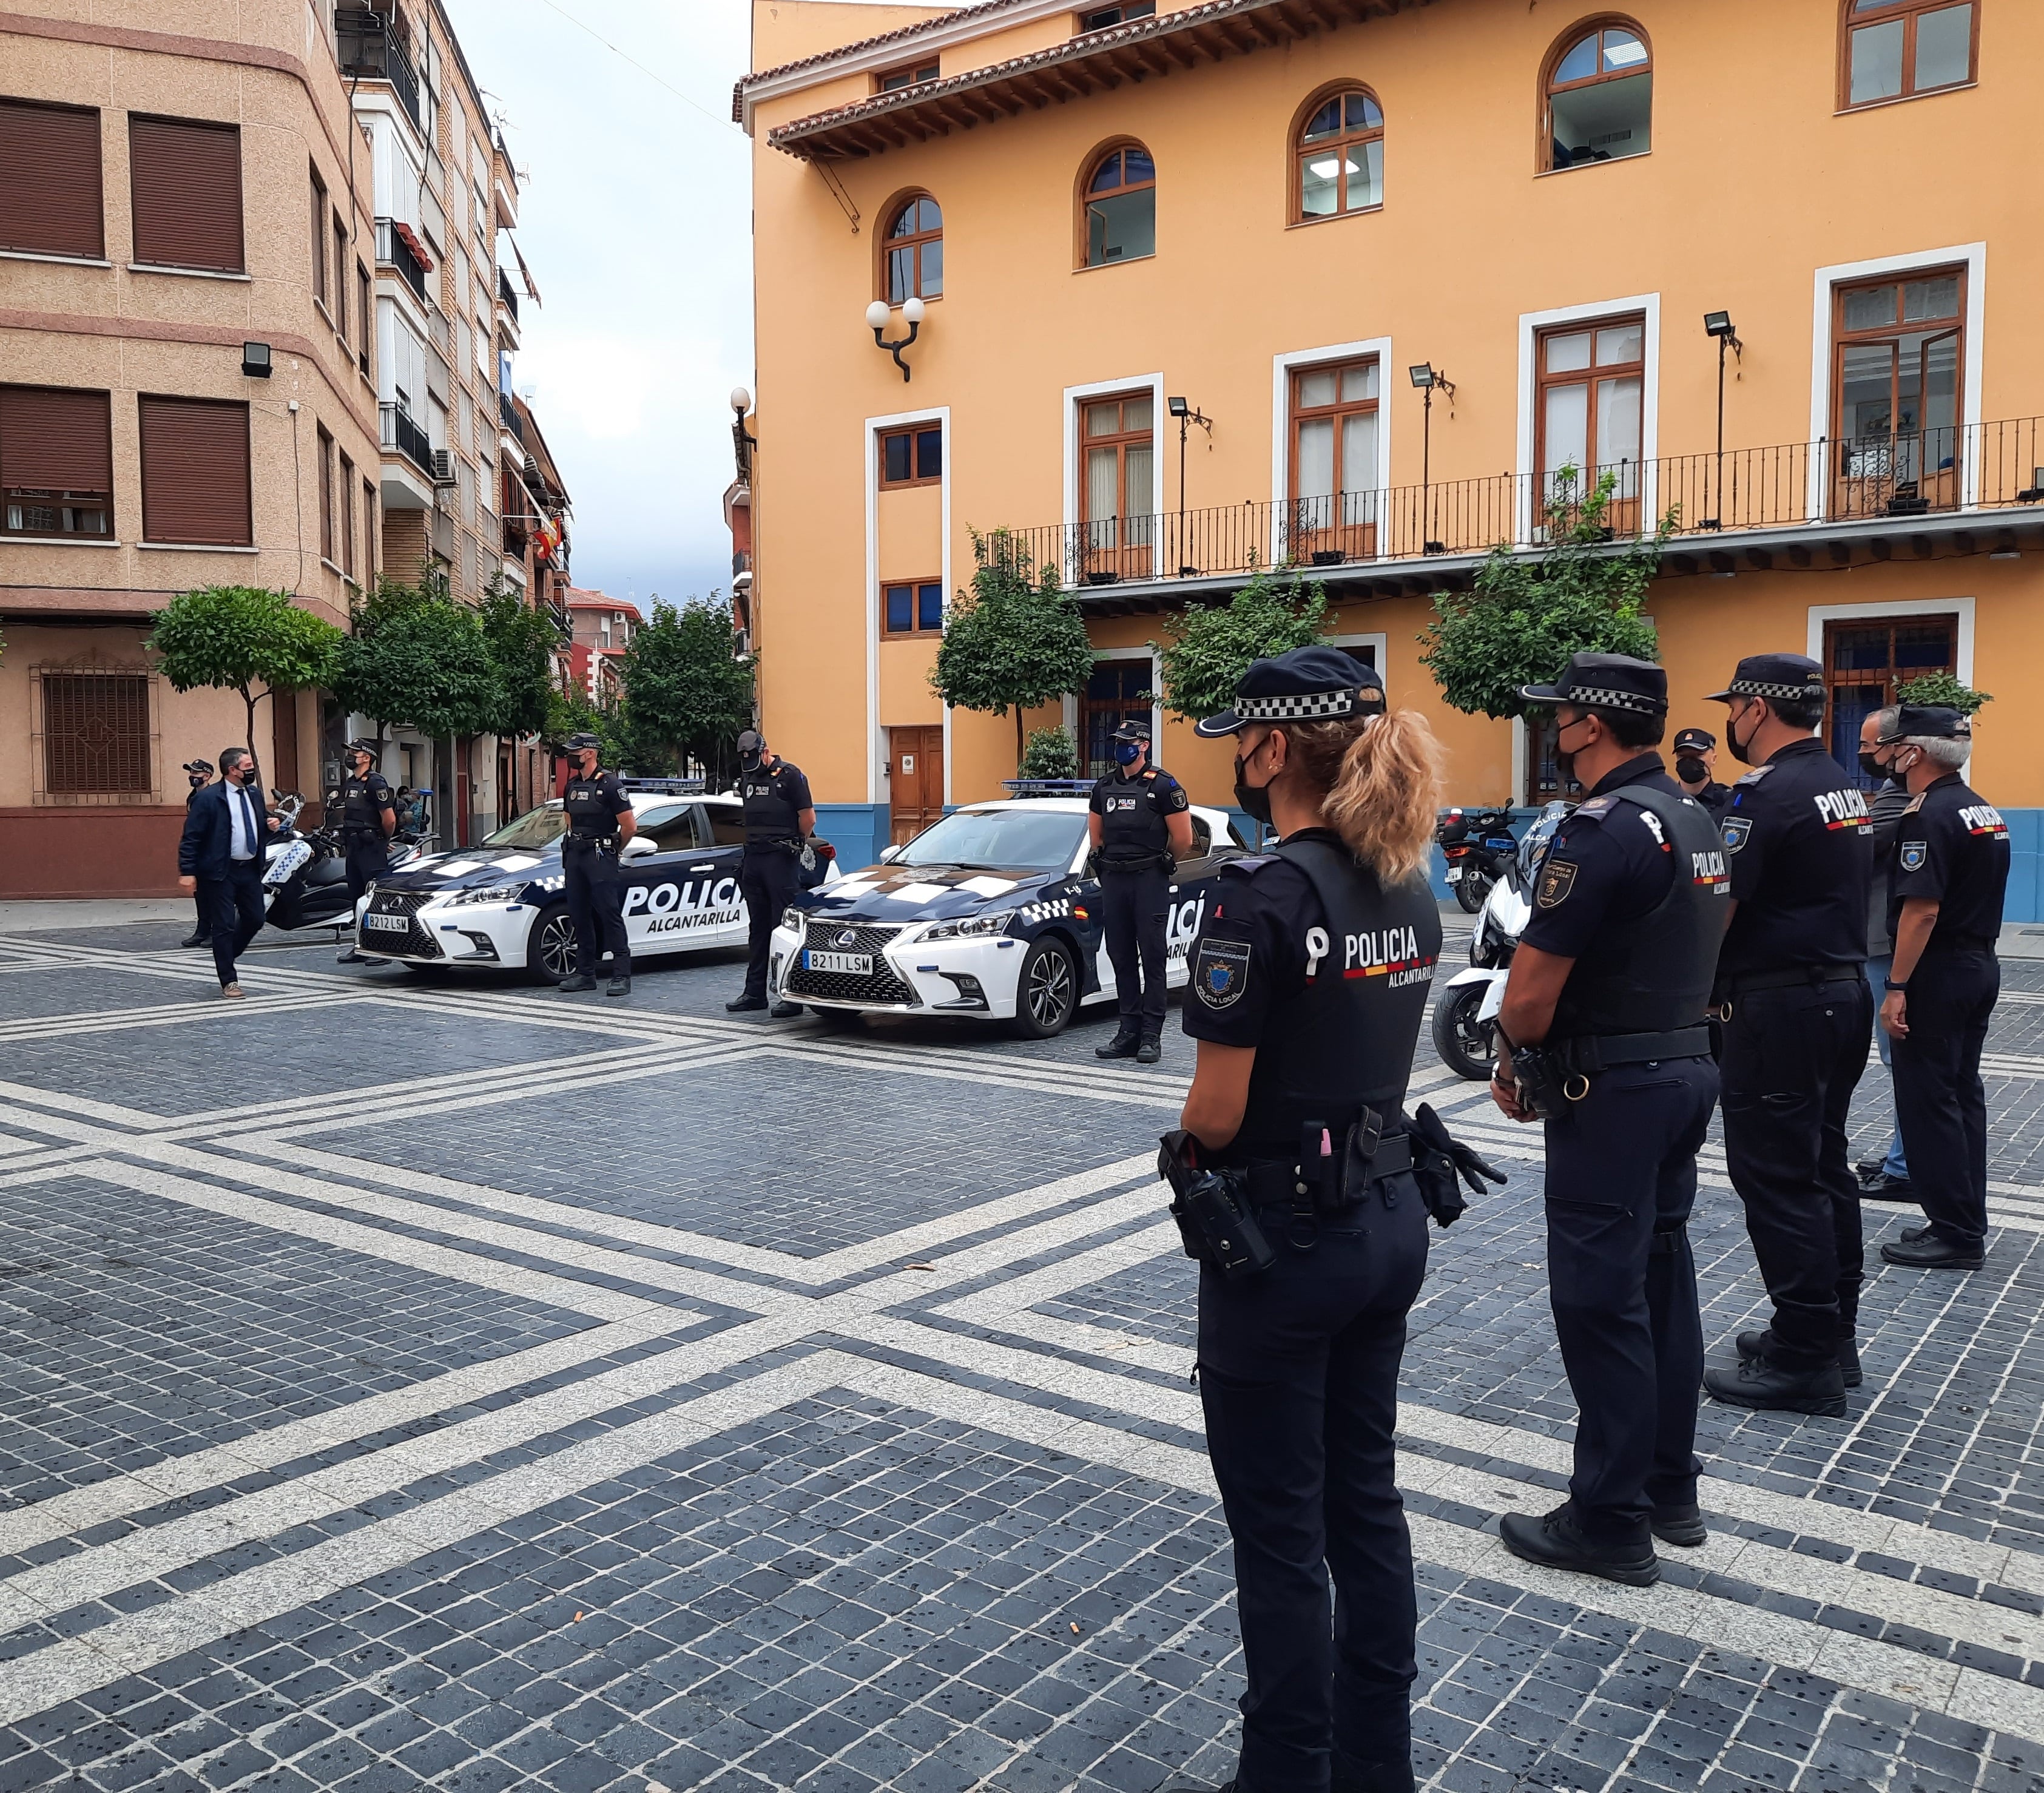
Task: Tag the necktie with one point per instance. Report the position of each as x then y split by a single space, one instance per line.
248 820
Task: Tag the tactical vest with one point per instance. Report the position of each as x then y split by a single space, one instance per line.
1347 1039
769 817
588 815
358 808
1653 975
1133 834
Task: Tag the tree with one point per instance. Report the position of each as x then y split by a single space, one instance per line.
522 642
1941 687
570 712
686 697
419 658
1206 651
1012 641
235 637
1527 615
1049 753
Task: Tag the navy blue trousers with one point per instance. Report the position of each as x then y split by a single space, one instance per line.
1938 1097
1132 915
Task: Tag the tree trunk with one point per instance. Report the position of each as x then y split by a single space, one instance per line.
1018 741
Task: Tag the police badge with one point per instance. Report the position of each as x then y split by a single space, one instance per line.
1735 829
1913 856
1221 972
1557 880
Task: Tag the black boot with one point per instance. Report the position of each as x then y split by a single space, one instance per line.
1764 1383
1127 1037
581 980
1558 1541
1679 1525
197 940
1151 1049
784 1010
1930 1251
739 1004
620 985
1761 1343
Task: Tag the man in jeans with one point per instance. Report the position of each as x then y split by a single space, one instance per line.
1885 1178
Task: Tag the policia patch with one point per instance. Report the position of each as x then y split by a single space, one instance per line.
1556 881
1221 972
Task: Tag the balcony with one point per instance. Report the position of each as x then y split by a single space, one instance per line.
505 296
365 48
399 431
507 414
394 252
1745 508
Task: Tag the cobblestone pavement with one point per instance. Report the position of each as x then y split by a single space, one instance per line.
415 1383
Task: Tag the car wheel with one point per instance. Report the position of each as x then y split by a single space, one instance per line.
550 948
1464 1043
1047 994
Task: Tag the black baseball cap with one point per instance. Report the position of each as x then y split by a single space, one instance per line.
581 743
1933 722
751 742
1605 682
1699 739
1133 730
1307 685
1774 676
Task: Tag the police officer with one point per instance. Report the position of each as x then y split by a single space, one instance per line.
199 774
1298 1363
600 821
1696 768
1793 1000
364 809
1951 869
780 816
1885 1175
1602 1033
1141 826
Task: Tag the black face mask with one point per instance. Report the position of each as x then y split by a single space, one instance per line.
1874 769
1691 770
748 762
1254 799
1742 750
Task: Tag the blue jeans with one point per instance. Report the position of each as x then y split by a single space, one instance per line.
1895 1164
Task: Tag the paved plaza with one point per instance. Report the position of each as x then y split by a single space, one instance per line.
420 1383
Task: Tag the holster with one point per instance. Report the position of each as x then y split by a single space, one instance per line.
1545 1080
1210 1208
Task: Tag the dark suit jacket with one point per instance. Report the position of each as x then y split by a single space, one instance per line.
205 849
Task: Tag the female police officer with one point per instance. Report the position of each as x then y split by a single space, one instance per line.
1306 987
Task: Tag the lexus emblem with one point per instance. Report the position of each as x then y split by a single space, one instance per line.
847 937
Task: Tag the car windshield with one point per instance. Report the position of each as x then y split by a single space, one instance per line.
535 829
999 841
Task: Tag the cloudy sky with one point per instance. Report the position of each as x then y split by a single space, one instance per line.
635 216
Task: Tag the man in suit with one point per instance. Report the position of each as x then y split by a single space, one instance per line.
221 858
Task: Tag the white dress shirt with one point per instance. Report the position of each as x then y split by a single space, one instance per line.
241 814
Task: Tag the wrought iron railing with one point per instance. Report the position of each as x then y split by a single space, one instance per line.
506 295
394 252
507 414
399 431
1982 467
364 47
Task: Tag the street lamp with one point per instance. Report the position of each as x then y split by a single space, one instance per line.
1187 415
1428 378
877 315
1719 324
743 440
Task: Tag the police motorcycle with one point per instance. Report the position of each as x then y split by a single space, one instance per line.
1478 845
305 876
1466 1009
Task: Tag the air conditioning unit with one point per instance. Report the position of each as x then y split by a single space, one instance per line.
442 468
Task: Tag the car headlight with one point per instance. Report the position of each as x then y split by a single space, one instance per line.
792 919
971 927
482 893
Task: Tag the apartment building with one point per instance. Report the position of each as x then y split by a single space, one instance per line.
593 658
1351 285
186 399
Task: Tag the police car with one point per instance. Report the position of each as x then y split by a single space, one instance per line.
501 903
990 914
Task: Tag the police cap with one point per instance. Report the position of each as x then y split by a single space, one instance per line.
1133 730
1698 741
1784 676
199 766
1932 722
581 743
1605 682
1306 685
751 742
368 747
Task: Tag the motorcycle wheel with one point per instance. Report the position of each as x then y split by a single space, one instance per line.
1464 1042
550 948
1473 890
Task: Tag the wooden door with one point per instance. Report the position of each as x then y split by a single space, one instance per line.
915 781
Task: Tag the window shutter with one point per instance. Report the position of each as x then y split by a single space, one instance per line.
52 440
195 471
187 190
50 199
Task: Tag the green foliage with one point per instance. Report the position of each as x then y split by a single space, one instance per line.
419 657
1527 616
1941 687
1206 651
235 637
1013 641
570 712
1050 753
522 641
686 696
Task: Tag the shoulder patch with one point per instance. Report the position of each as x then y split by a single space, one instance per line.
1913 856
1220 972
1557 879
1916 803
1596 810
1733 830
1150 772
1756 775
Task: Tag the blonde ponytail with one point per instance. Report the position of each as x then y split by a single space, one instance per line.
1382 777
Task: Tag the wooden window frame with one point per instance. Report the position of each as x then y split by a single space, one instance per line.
888 246
97 252
913 432
917 629
1374 133
1843 471
920 72
1121 556
319 209
1908 11
1623 509
1599 23
1836 680
1335 535
1132 708
1087 198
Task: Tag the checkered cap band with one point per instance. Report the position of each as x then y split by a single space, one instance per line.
1761 687
1595 697
1295 708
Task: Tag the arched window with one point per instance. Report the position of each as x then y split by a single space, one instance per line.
1599 97
1896 49
1120 204
914 242
1340 157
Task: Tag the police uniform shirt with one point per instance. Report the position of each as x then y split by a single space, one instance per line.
1715 796
1800 847
1152 794
1607 862
593 804
1953 848
360 803
775 797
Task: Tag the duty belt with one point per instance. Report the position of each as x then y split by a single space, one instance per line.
1590 1053
1274 1183
1812 976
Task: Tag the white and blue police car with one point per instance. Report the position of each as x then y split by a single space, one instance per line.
990 914
501 903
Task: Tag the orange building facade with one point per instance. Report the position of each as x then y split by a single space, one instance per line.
1288 214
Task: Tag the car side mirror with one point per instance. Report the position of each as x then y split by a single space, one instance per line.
888 855
638 846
